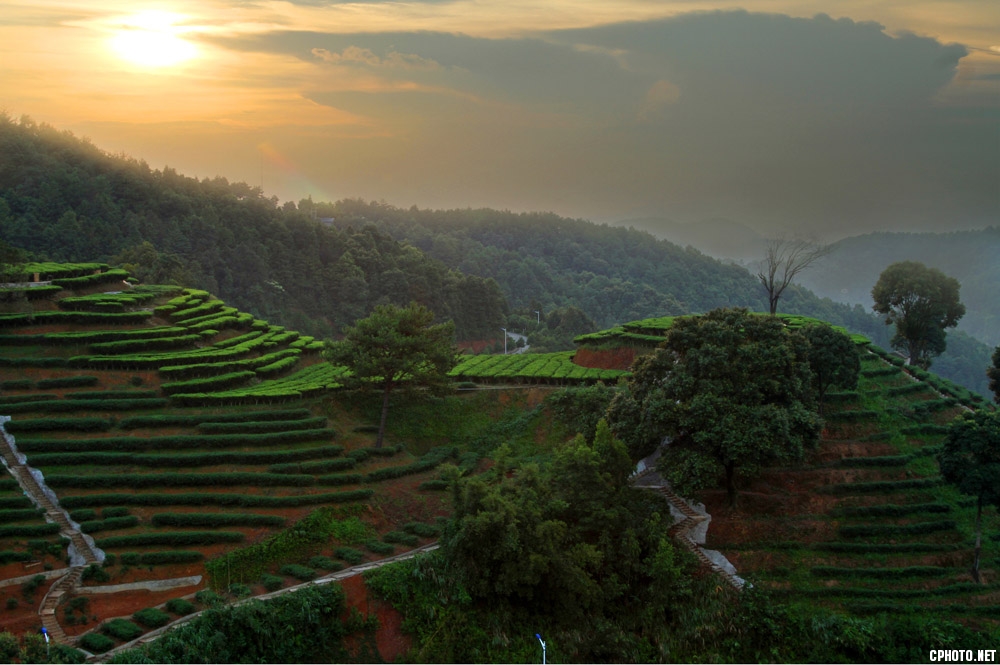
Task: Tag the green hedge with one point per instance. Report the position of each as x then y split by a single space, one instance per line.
350 555
217 519
179 441
113 394
74 318
297 571
340 479
28 531
378 547
179 606
881 486
179 538
881 573
114 512
172 420
144 345
257 427
15 384
152 617
160 558
221 382
183 461
122 629
314 467
10 556
885 548
429 461
57 424
13 400
893 530
63 405
400 537
32 361
79 381
858 415
880 372
15 502
141 480
93 526
19 515
421 529
215 499
96 642
892 510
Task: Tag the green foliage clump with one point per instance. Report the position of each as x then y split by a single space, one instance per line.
350 555
258 632
151 617
297 571
96 642
324 563
180 606
378 547
422 530
122 629
272 582
400 537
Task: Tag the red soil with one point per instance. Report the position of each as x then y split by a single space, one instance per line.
620 358
390 640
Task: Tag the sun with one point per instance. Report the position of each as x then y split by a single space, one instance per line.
152 39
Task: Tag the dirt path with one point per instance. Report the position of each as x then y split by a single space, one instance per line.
81 549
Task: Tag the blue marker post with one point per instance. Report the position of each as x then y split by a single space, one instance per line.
543 647
45 634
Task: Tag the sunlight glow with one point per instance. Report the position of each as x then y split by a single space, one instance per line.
151 39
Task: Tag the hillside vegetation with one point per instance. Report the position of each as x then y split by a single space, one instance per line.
63 199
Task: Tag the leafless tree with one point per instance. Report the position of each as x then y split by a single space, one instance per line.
784 258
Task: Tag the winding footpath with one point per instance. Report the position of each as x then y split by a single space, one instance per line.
82 551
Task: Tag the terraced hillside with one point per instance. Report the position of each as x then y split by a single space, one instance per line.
182 438
867 524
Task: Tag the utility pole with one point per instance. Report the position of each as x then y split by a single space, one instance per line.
504 340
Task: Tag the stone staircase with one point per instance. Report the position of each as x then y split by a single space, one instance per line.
81 551
681 533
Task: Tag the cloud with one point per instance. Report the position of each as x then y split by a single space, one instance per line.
364 56
769 119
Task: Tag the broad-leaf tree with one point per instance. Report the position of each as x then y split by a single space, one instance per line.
833 359
396 347
784 258
730 389
970 460
922 302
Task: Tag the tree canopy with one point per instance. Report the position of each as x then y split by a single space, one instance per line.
922 302
833 359
731 390
970 460
394 347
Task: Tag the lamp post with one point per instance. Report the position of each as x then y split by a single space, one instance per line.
543 647
538 316
504 340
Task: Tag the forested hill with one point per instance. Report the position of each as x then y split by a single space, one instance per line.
63 199
614 274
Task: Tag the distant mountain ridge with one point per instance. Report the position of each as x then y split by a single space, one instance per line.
972 257
718 237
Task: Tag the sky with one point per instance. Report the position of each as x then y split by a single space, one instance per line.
793 117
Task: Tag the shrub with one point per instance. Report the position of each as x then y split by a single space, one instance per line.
96 573
378 547
179 606
891 530
96 642
122 629
421 529
83 515
171 539
350 555
118 511
400 537
240 590
208 598
217 519
78 381
28 531
272 582
325 563
298 572
433 485
94 526
151 617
